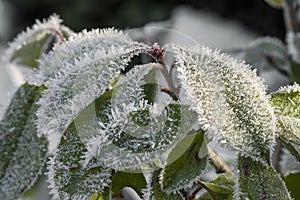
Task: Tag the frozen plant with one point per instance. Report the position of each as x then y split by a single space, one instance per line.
141 132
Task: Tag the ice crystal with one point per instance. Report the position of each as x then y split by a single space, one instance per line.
229 98
76 72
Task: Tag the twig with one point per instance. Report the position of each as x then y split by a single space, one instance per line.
218 163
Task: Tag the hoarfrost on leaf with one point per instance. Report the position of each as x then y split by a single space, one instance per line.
22 153
67 177
287 104
29 45
78 71
125 135
257 181
231 99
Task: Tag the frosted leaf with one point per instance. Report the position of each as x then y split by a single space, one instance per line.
257 181
219 188
287 100
22 153
153 190
127 134
68 179
185 163
229 98
289 129
287 104
29 45
267 53
293 44
78 71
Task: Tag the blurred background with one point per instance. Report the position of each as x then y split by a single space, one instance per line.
218 24
254 15
214 23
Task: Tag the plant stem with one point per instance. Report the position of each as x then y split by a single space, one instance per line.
169 79
218 163
290 11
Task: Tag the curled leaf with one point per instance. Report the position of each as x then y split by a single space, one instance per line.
77 72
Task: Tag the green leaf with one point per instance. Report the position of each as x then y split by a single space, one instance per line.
256 181
68 177
154 191
287 104
184 165
292 183
151 86
126 179
220 188
22 152
31 50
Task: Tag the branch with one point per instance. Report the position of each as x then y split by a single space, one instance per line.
290 10
218 163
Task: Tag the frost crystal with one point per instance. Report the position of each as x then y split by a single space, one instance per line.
76 72
229 98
